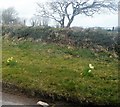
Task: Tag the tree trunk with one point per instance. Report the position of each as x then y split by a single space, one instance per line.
62 23
62 26
70 21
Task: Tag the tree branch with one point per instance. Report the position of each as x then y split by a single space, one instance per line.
60 9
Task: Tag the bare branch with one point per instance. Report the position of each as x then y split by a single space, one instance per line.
61 9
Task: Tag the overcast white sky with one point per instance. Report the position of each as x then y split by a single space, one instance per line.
26 9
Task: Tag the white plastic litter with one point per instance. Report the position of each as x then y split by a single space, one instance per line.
42 104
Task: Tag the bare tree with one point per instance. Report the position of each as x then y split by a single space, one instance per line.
61 10
57 25
35 21
45 21
9 16
22 21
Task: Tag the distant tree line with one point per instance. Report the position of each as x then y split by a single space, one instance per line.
10 17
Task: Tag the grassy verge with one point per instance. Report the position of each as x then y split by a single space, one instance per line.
61 70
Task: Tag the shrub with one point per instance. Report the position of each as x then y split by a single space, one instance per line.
91 37
117 45
99 39
26 32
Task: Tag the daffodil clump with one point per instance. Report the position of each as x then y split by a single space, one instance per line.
88 71
11 61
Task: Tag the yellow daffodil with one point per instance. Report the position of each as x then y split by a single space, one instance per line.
91 66
89 71
11 58
8 61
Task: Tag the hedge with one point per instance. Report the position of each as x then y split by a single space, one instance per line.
85 38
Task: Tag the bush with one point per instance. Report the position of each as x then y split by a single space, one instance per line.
86 38
26 32
6 30
91 38
117 45
35 33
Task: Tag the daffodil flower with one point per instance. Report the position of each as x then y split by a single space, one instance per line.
11 58
89 71
11 61
8 61
91 66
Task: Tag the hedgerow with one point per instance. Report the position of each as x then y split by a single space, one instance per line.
98 39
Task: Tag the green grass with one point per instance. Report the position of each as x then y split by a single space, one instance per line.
61 70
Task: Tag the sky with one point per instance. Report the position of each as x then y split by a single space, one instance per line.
26 9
